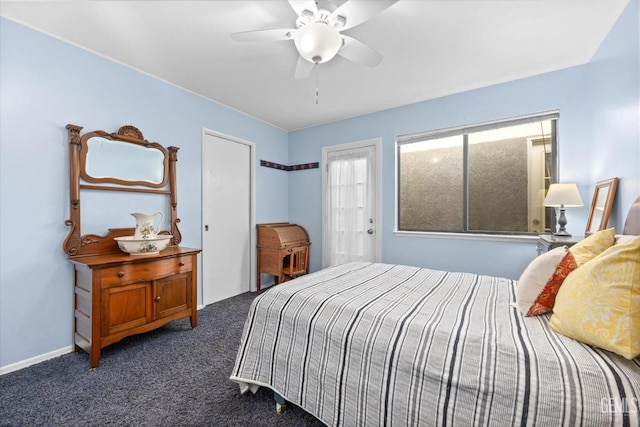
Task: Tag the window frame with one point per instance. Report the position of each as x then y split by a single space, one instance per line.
465 130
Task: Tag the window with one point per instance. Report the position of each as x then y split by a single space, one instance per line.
486 178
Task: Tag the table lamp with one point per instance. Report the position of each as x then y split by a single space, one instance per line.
563 196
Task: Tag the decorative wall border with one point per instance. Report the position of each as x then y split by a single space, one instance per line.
302 166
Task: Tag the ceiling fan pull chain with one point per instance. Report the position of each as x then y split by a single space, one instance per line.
317 90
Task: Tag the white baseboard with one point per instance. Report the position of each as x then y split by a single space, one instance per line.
41 358
34 360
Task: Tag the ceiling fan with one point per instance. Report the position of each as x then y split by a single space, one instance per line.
318 34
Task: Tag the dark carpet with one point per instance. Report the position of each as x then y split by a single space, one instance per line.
173 376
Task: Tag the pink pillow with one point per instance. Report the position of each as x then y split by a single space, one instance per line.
540 281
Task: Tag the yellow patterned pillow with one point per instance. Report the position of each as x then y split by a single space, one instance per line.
599 303
593 245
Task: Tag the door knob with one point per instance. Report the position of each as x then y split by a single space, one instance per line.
370 231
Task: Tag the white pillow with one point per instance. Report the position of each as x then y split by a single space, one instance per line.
623 238
541 280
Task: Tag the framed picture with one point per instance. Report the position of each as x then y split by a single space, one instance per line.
601 205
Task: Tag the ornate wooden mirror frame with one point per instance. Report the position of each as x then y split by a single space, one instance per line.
125 159
78 244
601 205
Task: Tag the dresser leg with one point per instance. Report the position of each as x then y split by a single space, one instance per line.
194 321
94 358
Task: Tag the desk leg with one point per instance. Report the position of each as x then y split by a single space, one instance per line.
259 279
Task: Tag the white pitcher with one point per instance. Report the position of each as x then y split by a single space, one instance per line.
146 225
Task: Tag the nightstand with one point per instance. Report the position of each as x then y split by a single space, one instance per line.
546 242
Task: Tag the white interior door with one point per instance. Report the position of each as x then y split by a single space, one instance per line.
351 209
227 217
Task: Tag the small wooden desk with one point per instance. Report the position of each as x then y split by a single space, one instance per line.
283 251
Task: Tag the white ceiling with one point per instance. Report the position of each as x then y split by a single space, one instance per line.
431 48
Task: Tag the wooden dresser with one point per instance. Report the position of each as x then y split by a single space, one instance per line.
283 251
118 295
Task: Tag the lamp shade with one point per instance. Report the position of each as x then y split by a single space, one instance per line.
563 195
317 42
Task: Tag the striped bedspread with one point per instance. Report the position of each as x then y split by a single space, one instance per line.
390 345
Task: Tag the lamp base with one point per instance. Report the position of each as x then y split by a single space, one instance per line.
562 222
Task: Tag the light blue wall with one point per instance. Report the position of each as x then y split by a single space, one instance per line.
614 86
46 84
598 138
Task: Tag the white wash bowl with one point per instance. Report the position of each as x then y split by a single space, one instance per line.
136 246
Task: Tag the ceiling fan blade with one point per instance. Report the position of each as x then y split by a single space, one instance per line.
358 11
356 51
303 68
301 5
276 34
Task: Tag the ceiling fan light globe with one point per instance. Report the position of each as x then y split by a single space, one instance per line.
317 42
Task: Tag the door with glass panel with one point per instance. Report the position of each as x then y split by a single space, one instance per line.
350 208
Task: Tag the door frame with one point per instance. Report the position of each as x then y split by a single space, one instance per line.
252 204
377 143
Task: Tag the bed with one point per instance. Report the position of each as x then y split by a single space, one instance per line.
380 344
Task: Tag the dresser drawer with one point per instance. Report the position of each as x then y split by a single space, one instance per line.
142 271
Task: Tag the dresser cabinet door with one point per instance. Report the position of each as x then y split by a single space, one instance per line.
126 307
172 295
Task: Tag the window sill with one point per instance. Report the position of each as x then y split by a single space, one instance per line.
469 236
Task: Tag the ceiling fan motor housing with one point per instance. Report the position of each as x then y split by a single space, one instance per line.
317 42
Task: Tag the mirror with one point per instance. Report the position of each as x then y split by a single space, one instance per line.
601 205
122 159
104 169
